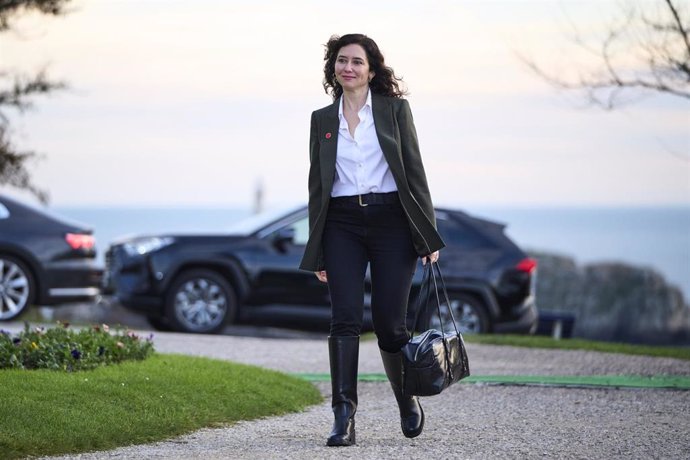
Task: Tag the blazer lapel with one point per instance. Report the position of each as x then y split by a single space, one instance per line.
328 140
384 122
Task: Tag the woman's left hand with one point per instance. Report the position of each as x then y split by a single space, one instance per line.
433 257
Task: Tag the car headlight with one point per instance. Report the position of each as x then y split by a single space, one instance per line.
145 245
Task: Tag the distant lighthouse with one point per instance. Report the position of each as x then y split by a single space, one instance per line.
259 196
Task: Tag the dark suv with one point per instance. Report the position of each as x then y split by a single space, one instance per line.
199 283
44 260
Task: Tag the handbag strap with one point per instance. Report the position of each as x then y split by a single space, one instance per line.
428 278
422 300
452 317
445 295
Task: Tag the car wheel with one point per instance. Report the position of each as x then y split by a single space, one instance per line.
469 312
17 288
200 301
159 324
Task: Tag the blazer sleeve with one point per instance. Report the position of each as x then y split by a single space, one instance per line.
412 161
314 173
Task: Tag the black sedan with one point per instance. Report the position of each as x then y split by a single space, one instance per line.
44 260
199 283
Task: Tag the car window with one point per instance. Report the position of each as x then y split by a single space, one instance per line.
256 222
301 228
457 235
4 212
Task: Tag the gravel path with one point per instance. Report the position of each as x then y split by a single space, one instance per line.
312 356
467 421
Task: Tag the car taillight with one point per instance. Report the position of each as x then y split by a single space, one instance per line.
526 265
79 241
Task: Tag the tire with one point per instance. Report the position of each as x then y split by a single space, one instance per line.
200 301
470 314
17 288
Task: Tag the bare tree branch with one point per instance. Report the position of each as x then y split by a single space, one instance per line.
11 8
679 23
19 90
665 69
13 167
22 87
645 52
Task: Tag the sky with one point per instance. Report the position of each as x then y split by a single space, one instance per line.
196 103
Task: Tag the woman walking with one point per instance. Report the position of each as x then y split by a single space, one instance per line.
369 205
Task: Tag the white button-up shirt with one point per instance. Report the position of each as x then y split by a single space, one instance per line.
360 166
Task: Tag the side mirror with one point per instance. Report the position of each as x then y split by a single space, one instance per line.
285 235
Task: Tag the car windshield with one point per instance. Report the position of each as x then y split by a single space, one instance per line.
256 222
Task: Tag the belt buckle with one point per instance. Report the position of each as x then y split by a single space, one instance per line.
359 197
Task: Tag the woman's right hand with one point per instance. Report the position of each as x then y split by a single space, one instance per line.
321 275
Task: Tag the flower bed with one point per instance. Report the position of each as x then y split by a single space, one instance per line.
64 349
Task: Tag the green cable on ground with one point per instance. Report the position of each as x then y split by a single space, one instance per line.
677 382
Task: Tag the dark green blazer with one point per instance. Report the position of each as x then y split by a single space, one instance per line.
398 139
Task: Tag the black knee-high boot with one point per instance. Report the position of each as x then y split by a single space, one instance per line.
411 413
344 356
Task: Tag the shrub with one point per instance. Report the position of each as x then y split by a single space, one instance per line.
60 348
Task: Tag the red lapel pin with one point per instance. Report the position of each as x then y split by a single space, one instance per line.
328 135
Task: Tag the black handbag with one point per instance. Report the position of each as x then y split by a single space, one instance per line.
433 360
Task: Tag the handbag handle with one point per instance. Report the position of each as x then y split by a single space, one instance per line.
445 294
452 317
426 282
427 278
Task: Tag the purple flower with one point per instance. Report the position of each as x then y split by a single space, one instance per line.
76 354
16 340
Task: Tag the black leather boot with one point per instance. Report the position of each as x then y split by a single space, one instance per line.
344 357
411 413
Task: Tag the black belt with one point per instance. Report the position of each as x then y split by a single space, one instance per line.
368 198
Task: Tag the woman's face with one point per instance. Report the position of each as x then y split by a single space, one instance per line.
352 68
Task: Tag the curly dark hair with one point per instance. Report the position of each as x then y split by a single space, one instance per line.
384 82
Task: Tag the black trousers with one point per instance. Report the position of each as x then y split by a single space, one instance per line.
377 235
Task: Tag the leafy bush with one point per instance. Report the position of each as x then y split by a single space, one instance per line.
60 348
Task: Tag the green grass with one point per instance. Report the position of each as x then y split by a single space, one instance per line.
47 412
535 341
